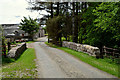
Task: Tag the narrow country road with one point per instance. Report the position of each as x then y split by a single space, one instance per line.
54 63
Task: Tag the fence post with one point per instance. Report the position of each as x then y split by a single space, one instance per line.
104 49
4 49
9 46
113 55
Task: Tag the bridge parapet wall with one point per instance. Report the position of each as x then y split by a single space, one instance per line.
17 51
91 50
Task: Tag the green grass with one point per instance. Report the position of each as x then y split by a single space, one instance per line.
46 34
24 67
105 64
51 45
0 73
30 41
64 39
13 43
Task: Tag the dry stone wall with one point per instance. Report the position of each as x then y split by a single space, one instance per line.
93 51
17 51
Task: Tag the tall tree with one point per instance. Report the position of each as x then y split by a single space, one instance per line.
76 24
52 28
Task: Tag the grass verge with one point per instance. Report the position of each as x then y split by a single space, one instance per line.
103 64
30 41
24 67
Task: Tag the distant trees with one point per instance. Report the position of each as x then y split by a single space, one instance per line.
30 26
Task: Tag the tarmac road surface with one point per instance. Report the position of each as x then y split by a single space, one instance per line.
55 63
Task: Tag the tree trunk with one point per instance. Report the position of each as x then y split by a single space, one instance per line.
76 25
59 27
30 37
57 13
73 21
51 17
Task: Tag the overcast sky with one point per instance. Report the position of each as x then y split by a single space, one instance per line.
12 11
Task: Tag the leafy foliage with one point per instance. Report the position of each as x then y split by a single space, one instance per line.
67 27
53 25
30 26
86 29
93 23
99 25
107 23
